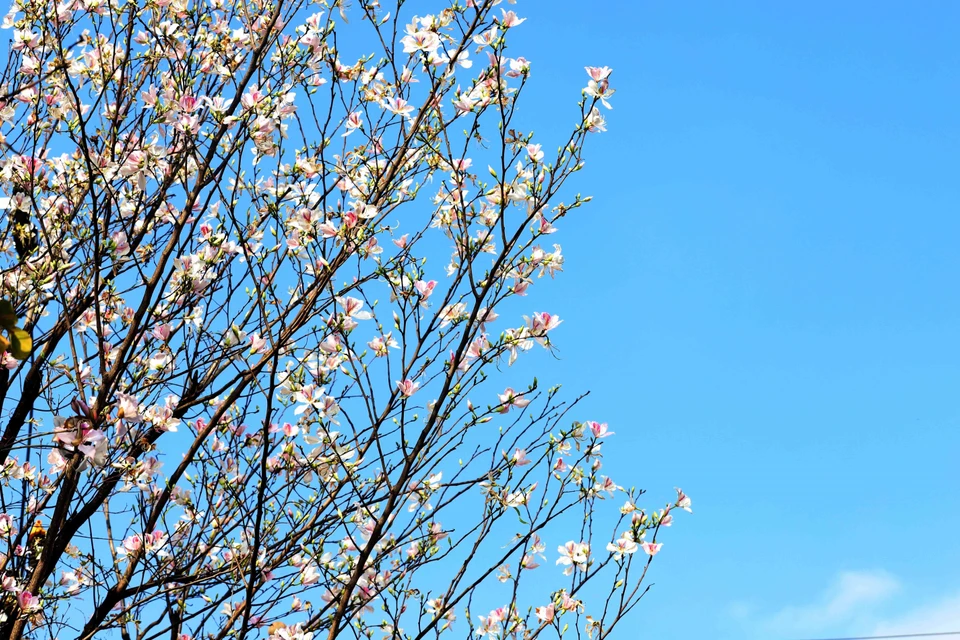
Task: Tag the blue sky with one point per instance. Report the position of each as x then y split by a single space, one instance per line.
763 299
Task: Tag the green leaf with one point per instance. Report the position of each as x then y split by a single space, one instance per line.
8 315
21 344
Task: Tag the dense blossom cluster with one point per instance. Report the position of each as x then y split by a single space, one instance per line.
270 293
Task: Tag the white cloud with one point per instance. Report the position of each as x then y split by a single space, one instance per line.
853 597
857 603
938 617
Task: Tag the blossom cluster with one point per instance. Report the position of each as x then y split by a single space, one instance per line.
270 294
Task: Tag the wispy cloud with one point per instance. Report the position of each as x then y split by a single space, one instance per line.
854 596
937 617
855 603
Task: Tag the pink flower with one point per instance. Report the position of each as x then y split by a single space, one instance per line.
545 614
28 601
425 289
309 574
330 345
569 604
6 525
535 153
399 106
464 104
598 74
257 343
327 230
436 532
541 324
599 430
519 457
131 545
623 545
488 624
354 122
573 554
595 122
452 313
683 501
252 98
310 397
76 434
408 387
161 332
156 540
546 227
120 241
8 361
352 307
56 461
188 103
149 97
381 344
651 548
486 38
510 19
600 90
128 408
520 287
426 41
509 398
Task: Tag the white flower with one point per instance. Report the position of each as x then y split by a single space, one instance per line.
625 544
573 554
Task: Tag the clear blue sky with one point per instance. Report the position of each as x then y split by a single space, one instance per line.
764 299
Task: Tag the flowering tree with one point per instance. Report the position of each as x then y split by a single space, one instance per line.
269 293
